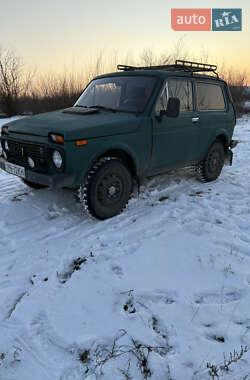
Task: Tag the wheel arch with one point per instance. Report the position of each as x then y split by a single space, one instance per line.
223 139
123 156
120 153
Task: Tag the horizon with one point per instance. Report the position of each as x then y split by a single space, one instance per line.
62 36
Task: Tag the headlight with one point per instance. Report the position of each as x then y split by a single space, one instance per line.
6 146
31 162
57 159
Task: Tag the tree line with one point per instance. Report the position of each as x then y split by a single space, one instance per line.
23 91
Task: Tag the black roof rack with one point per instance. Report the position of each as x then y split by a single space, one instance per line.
180 65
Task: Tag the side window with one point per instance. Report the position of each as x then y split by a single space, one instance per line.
181 89
210 97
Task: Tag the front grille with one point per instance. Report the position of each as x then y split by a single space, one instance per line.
21 151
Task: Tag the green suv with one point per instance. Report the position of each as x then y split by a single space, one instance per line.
125 126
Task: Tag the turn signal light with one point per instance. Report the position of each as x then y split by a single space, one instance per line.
5 130
57 138
81 142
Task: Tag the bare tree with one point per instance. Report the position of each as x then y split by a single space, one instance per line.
178 51
14 81
237 82
52 91
149 58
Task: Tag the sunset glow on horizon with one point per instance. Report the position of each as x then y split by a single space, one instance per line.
59 35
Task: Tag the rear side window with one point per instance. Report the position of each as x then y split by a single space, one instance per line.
210 97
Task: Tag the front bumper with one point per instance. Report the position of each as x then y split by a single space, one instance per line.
51 180
229 153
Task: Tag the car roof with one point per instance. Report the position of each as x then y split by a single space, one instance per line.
160 74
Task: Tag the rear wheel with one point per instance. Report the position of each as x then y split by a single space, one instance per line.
106 188
210 168
33 185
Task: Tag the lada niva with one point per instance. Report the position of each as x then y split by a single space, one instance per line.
127 125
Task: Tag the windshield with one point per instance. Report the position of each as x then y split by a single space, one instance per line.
124 93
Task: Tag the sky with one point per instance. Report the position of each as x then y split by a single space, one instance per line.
54 35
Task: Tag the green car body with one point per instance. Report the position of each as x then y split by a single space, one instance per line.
149 141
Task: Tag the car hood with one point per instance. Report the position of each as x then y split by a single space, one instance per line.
76 126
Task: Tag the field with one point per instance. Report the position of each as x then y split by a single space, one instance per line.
158 292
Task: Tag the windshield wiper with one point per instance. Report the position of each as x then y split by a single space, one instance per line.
103 108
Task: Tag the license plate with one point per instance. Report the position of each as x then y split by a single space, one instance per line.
15 169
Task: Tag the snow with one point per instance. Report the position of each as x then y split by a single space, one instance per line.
171 273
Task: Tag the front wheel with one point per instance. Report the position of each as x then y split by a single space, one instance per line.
106 188
210 168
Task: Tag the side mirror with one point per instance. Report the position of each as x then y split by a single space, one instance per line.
173 107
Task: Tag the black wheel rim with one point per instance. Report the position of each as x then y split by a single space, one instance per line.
109 189
214 161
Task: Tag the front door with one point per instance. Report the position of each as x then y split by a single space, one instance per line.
174 139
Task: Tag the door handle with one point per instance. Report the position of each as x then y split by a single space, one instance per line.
195 119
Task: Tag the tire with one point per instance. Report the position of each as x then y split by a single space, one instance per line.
210 168
106 188
33 185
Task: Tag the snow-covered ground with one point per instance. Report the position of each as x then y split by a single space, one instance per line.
154 293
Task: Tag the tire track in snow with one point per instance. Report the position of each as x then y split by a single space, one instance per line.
12 331
68 235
